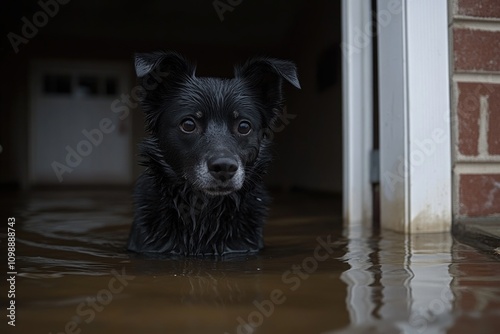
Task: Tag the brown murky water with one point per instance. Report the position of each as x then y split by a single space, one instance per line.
314 277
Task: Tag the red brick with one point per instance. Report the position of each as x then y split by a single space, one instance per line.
479 8
494 121
468 118
476 50
468 111
479 195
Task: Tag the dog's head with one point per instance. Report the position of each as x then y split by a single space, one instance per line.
212 131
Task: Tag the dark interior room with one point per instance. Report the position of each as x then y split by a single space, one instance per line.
96 41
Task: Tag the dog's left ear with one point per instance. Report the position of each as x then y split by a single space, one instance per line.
266 75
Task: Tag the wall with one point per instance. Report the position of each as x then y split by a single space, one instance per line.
309 149
475 32
14 121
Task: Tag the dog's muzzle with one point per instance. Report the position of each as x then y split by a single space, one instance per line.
220 174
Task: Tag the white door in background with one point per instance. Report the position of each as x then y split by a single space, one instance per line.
75 137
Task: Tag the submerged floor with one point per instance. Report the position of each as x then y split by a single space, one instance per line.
313 277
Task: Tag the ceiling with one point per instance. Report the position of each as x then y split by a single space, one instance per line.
250 23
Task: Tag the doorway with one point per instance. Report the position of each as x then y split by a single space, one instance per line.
76 138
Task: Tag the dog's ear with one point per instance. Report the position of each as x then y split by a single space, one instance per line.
164 63
266 76
157 73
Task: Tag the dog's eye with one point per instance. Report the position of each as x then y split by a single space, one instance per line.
188 125
244 128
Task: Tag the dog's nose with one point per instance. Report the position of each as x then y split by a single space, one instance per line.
222 168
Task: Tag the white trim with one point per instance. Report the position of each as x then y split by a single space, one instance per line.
357 110
415 140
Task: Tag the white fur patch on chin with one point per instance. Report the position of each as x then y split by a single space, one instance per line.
218 193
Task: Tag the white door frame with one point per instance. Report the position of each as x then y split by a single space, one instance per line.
357 111
415 118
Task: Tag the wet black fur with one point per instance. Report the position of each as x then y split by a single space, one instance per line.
171 215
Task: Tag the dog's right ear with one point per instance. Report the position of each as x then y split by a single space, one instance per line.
157 73
161 69
163 63
266 75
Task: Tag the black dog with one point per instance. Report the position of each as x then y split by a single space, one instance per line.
202 192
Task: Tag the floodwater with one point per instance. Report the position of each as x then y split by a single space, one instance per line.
74 275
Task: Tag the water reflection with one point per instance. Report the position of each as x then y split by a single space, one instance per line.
70 244
398 283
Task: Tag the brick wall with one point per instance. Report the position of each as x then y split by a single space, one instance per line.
475 34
